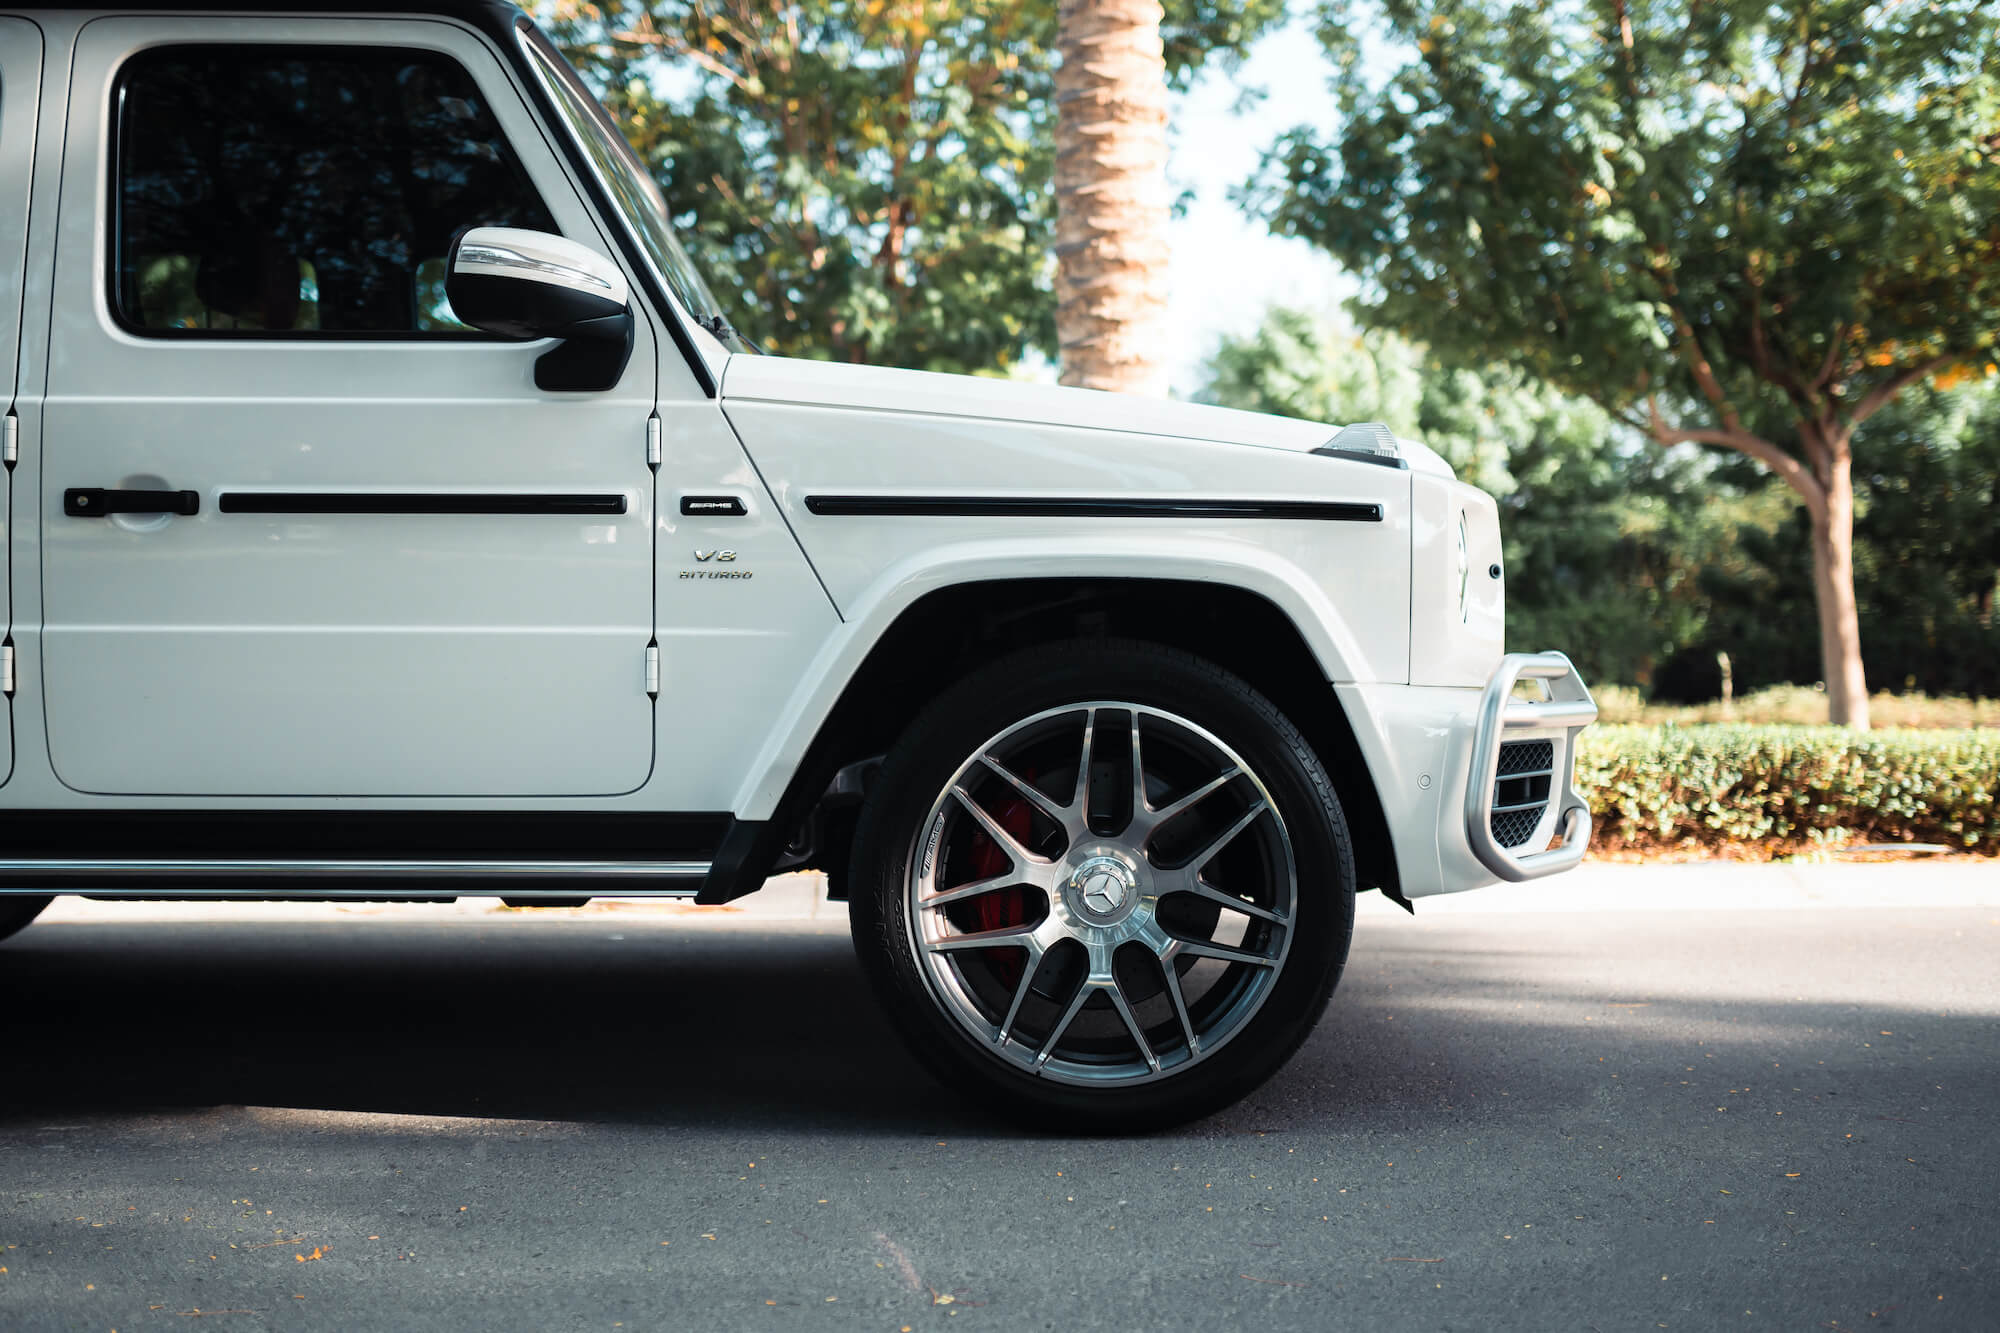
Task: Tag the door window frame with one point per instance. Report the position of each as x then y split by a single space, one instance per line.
488 42
114 229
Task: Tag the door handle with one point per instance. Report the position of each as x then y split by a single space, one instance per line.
97 501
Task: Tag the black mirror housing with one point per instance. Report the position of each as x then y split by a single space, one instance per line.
529 284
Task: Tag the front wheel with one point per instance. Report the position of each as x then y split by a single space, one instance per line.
1105 883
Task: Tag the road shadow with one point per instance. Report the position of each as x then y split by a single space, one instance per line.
1630 1018
639 1019
546 1019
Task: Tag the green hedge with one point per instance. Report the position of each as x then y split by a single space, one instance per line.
1789 789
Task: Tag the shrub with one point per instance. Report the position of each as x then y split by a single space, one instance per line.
1795 705
1789 789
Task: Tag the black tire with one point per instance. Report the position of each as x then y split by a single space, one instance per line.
956 725
16 913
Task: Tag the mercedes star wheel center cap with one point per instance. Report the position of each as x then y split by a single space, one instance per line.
1104 888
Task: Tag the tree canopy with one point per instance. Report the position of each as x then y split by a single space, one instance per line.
1603 559
866 180
1644 564
1746 223
1742 209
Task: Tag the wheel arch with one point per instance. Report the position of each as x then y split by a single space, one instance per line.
944 632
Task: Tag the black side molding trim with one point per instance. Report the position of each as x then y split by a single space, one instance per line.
984 506
448 502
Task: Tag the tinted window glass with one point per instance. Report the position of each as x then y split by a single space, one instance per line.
303 190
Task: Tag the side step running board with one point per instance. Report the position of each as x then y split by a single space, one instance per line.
326 878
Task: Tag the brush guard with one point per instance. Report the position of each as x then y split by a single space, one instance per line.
1510 734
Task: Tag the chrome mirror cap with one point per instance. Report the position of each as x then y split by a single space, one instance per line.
530 284
534 256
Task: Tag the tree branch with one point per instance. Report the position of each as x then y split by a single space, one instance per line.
1881 395
1703 372
1827 367
1635 422
1691 351
1795 474
679 47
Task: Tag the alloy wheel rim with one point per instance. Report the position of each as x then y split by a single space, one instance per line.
1102 893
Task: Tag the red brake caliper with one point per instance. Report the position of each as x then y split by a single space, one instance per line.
1002 907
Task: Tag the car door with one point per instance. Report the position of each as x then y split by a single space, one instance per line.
383 562
20 97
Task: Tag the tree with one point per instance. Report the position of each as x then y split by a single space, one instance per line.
1928 541
864 180
1604 555
1111 194
1743 223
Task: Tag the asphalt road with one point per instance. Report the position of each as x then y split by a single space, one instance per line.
407 1119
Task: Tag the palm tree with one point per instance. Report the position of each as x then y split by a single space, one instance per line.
1111 193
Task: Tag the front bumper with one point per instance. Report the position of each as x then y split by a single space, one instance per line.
1469 797
1520 792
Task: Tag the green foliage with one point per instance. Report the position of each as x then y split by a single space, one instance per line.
1742 223
1766 208
1643 564
1927 565
863 180
1928 543
1790 789
1795 706
1605 556
1195 32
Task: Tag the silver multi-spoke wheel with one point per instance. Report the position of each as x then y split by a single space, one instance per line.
1102 893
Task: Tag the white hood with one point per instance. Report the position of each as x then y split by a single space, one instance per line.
778 379
788 380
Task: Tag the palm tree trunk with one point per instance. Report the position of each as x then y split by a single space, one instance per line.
1111 194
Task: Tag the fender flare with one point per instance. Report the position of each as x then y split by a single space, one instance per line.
1179 558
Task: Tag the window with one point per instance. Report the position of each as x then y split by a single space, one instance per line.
302 191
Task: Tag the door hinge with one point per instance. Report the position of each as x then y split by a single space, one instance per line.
652 441
652 669
7 668
10 440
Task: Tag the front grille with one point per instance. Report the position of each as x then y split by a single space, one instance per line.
1525 774
1527 757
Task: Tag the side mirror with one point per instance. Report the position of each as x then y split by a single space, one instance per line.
529 284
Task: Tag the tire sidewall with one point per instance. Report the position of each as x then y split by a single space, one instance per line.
947 732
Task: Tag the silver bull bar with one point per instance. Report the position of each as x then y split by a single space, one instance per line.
1566 710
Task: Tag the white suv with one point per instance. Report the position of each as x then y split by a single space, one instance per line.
390 514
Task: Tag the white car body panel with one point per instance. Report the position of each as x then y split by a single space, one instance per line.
732 651
807 449
20 84
1455 641
341 662
828 384
348 654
